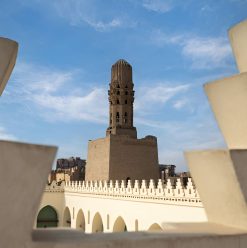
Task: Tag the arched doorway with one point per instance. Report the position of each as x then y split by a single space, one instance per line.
66 218
80 221
47 217
155 228
119 225
97 225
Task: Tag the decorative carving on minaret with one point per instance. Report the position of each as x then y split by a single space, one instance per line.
121 99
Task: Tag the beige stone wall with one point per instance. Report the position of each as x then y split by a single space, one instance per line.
133 158
118 157
97 167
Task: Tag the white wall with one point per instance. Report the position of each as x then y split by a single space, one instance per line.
138 211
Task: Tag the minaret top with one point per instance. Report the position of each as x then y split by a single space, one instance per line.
121 62
121 73
121 99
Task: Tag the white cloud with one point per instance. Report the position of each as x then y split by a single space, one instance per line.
5 135
103 26
70 107
84 12
78 12
38 78
158 95
203 52
55 95
160 38
161 6
180 103
207 52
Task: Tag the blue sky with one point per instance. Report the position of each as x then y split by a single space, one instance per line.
57 93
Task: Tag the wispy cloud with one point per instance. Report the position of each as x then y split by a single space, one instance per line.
179 104
74 108
203 52
78 12
93 13
157 95
104 26
207 52
55 95
161 6
40 78
5 135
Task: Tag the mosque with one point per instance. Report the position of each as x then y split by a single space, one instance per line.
109 203
121 180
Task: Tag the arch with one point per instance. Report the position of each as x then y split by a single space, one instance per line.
155 228
66 217
80 221
47 217
97 224
119 225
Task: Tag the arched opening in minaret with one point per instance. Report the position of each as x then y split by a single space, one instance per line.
118 101
126 101
117 117
125 117
118 92
126 93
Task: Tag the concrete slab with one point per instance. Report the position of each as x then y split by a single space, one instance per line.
238 39
75 239
220 180
228 99
8 54
24 169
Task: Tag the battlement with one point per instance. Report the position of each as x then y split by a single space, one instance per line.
54 187
137 191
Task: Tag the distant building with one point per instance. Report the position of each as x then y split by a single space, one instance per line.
68 169
166 171
169 172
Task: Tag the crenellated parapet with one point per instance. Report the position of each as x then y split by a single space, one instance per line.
55 187
138 190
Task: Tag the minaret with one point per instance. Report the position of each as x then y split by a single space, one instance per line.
121 99
120 155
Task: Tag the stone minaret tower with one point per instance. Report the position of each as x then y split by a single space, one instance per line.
120 155
121 99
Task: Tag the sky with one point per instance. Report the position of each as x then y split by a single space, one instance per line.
57 93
